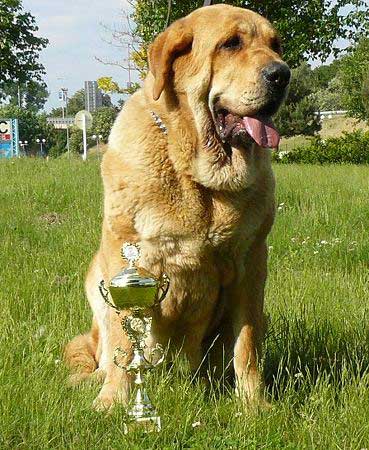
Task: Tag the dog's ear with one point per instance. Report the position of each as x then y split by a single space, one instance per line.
164 50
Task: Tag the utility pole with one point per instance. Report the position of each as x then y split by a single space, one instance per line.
63 96
129 64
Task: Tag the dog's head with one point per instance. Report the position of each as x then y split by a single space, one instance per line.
226 63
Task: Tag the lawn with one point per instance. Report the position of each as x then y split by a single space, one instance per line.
316 351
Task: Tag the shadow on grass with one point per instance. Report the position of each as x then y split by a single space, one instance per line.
298 352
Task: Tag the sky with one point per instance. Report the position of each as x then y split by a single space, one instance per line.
77 34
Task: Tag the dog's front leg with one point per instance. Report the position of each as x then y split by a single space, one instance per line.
247 298
117 385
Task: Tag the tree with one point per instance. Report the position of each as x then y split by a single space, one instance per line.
354 68
297 115
32 94
32 126
308 29
108 85
330 98
324 74
76 102
103 119
365 92
19 45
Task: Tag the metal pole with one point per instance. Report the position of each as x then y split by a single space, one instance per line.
19 97
66 115
129 64
84 138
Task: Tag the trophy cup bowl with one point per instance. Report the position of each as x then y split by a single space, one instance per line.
136 290
134 287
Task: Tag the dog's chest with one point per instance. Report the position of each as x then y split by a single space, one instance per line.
213 233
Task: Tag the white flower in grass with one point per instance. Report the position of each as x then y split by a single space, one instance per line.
323 242
316 252
57 361
196 424
40 332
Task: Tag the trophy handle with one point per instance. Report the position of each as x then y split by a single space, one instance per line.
105 295
164 287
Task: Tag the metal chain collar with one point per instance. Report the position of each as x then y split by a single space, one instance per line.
159 122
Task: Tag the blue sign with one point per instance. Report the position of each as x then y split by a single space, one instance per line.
9 138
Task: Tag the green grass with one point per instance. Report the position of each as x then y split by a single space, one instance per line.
316 351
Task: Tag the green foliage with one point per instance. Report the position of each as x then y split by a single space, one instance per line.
328 87
354 69
308 29
103 119
33 94
108 85
59 144
297 115
324 74
20 47
76 102
365 93
351 148
330 98
32 126
76 140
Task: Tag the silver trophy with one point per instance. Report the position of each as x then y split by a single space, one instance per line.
137 290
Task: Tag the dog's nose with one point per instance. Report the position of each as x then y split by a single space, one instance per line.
277 75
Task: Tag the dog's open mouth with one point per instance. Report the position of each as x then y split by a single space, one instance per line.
237 130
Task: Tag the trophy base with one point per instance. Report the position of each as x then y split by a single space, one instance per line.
146 424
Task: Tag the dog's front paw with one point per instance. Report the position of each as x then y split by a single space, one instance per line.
106 400
103 403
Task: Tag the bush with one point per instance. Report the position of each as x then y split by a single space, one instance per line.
297 114
351 148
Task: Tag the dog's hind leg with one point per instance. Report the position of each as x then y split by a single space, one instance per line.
80 355
86 354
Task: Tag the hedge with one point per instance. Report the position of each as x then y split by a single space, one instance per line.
351 148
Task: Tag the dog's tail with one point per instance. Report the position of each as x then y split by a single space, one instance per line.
80 355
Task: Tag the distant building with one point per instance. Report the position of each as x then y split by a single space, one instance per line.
93 96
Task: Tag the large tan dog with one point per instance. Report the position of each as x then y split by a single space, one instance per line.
188 176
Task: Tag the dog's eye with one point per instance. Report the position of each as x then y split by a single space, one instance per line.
276 45
233 43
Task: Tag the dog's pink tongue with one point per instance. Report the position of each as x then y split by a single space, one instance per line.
262 131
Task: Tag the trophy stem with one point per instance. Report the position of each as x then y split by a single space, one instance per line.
142 411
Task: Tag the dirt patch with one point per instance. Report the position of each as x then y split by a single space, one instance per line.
52 218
